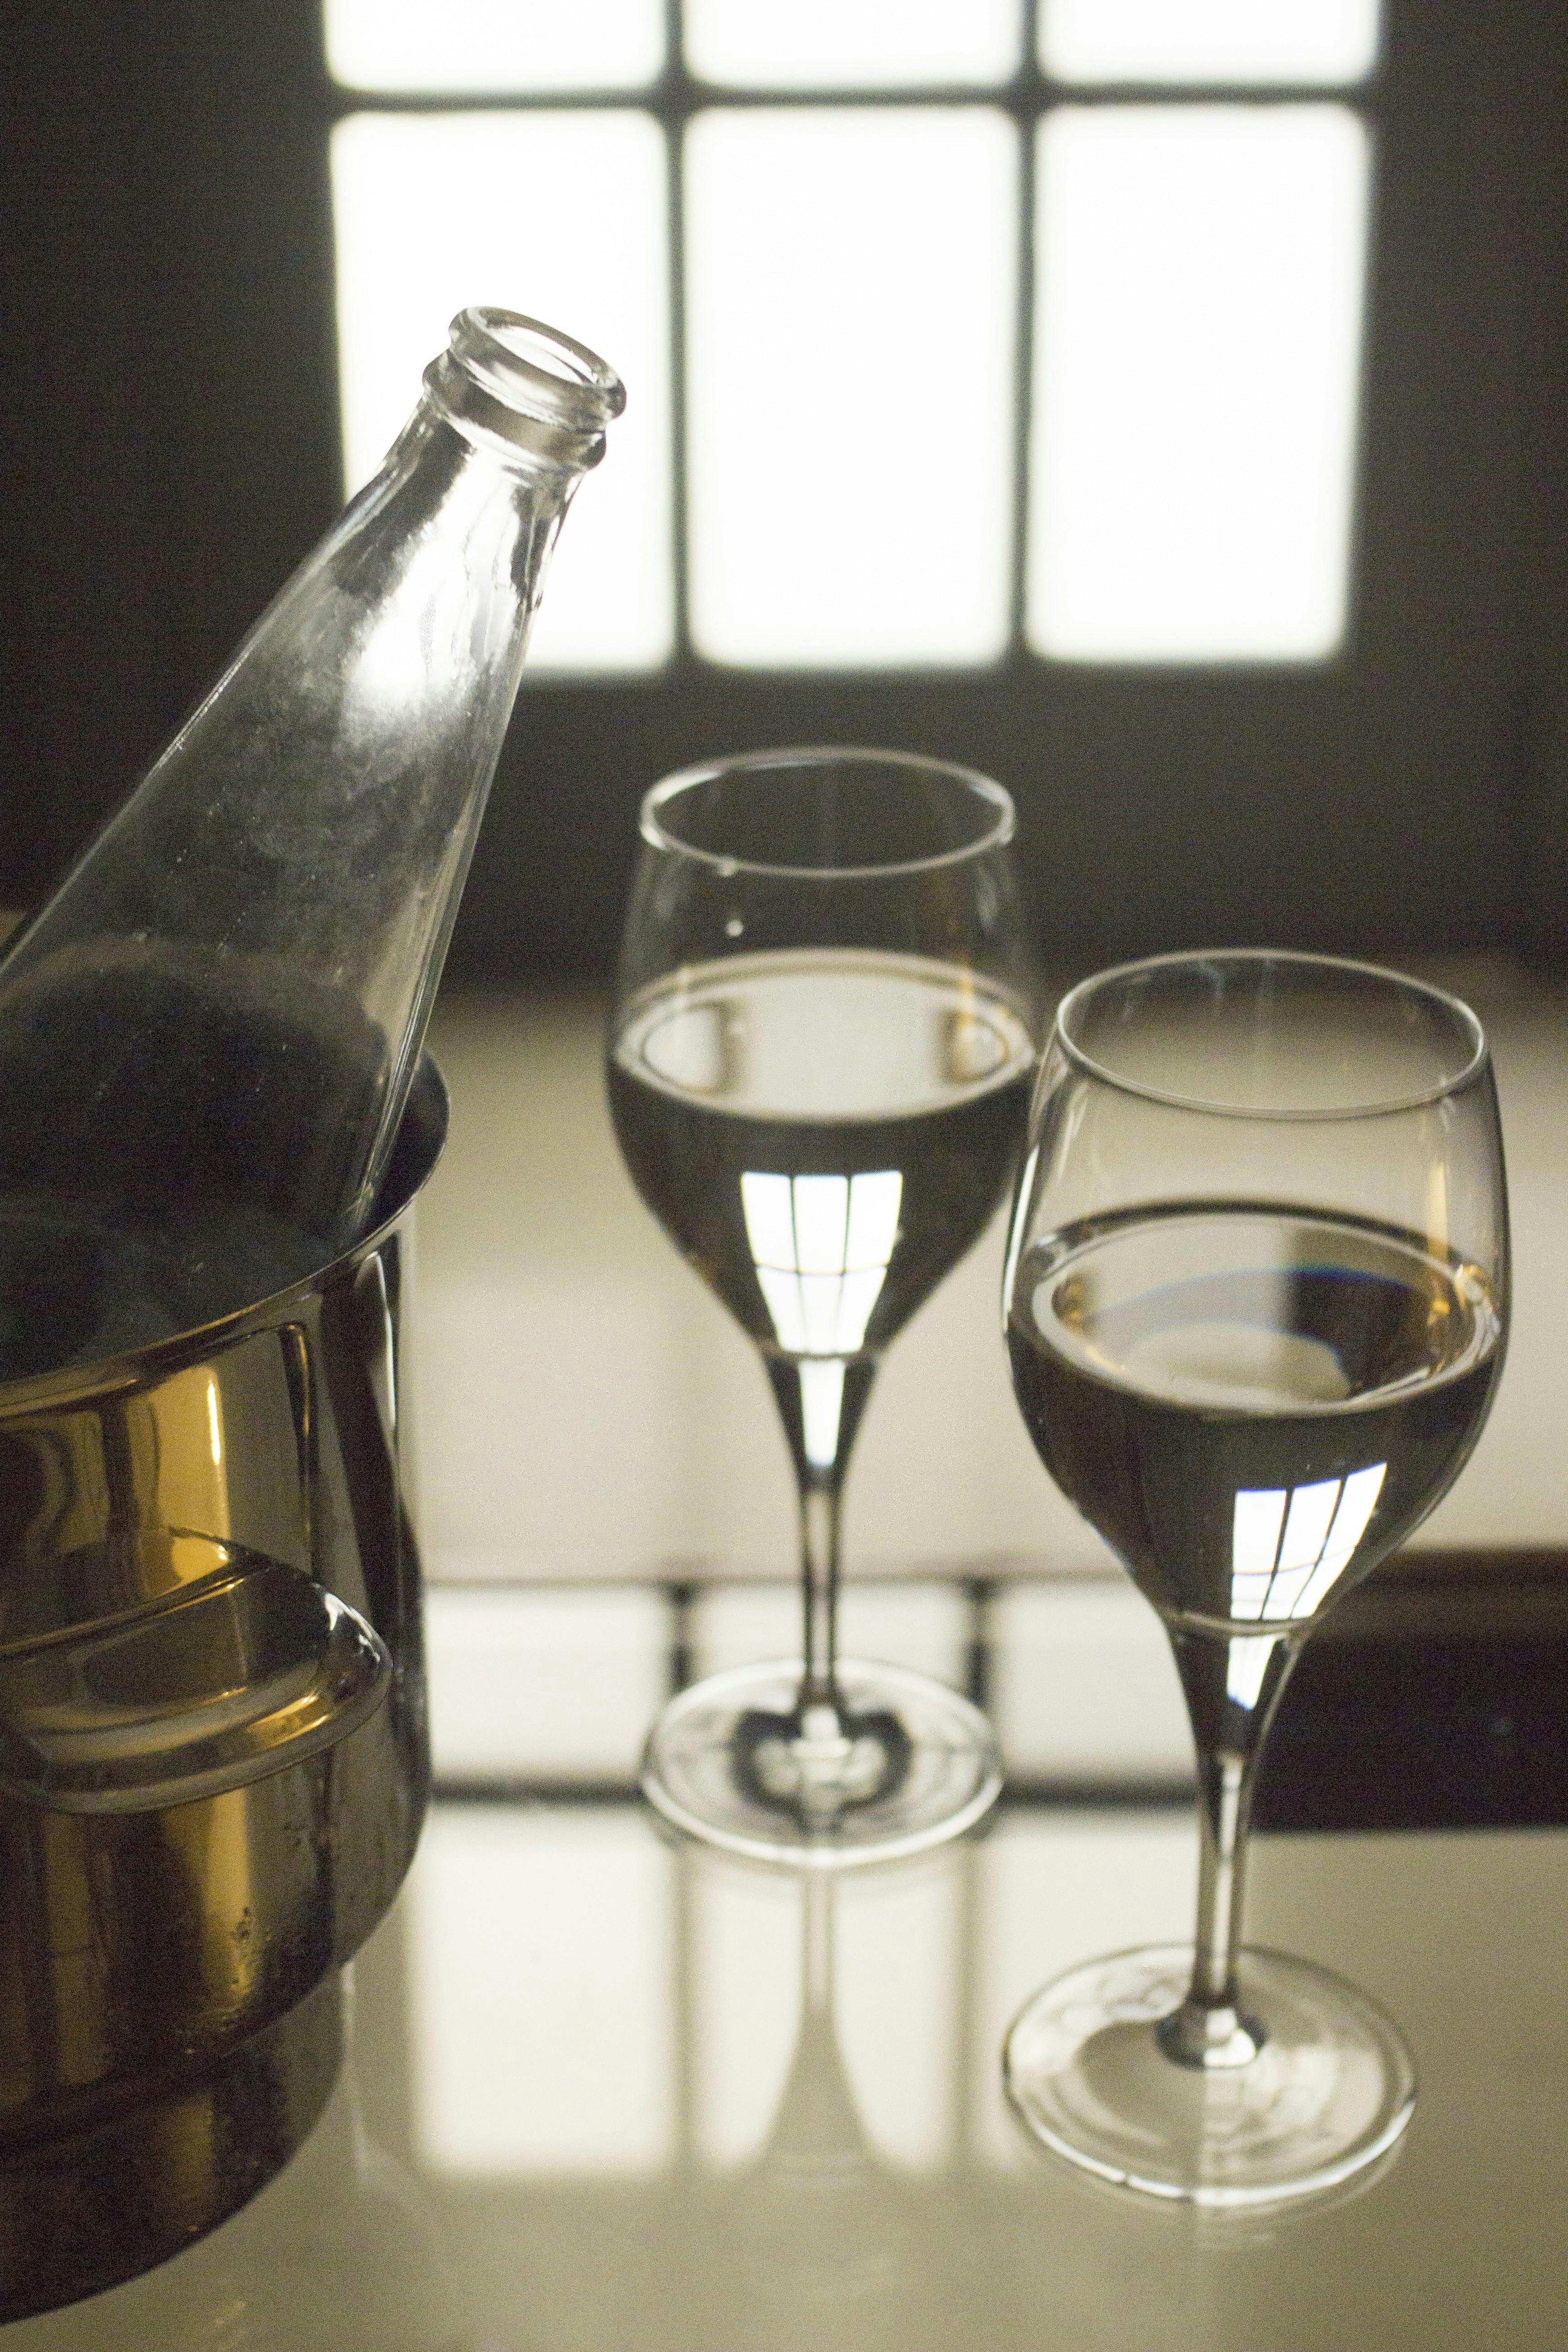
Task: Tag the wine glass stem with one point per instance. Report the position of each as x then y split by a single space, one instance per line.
820 1511
1232 1685
820 1401
1224 1803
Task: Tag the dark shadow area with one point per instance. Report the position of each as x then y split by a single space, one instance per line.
1430 1697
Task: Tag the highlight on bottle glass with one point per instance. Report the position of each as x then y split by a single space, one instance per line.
1256 1301
819 1062
209 1033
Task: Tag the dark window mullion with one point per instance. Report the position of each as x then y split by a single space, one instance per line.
639 97
676 95
1362 94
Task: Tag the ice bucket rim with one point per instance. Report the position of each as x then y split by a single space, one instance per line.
420 1138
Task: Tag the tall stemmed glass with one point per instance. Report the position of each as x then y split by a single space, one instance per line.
1255 1299
819 1064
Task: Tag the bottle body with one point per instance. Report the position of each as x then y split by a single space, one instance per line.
207 1036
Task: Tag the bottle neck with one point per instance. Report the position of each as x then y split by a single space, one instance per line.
515 385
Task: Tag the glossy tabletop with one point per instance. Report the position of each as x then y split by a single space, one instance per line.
604 2093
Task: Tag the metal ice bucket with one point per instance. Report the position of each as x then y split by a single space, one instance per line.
214 1760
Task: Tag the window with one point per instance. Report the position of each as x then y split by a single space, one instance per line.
1383 771
975 335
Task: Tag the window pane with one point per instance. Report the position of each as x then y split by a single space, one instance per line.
922 1627
1209 40
554 1685
1084 1685
1199 324
562 216
541 1949
1054 1887
499 45
852 43
850 283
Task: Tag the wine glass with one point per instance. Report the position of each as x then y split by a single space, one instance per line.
1255 1299
819 1062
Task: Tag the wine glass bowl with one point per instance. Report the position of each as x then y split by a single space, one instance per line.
818 1069
1256 1302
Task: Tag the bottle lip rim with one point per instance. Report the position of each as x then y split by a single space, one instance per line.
535 368
996 835
1465 1021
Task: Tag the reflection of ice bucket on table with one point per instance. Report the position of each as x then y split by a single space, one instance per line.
214 1760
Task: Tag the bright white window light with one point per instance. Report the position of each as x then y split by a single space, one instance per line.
1276 1575
850 281
1246 1666
852 43
782 1296
1322 41
541 1953
1356 1506
874 1199
561 216
1257 1516
821 1407
768 1206
480 45
821 1245
821 1223
539 1681
1306 1525
1197 364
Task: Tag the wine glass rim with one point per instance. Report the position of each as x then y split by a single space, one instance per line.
1458 1009
998 835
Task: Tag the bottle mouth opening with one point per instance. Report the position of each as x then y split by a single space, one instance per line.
538 368
510 375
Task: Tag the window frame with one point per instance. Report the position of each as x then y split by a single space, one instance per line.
675 97
172 370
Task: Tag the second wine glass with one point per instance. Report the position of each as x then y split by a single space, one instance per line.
1257 1298
819 1065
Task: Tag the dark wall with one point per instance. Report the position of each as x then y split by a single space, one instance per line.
171 376
173 399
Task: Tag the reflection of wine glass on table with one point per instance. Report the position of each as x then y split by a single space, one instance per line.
1256 1301
820 2226
818 1069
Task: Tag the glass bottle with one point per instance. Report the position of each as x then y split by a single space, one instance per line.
207 1036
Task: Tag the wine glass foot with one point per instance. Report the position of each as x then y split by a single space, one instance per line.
1328 2090
902 1764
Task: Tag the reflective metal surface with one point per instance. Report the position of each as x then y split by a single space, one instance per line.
88 2208
339 2246
213 1755
255 1667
